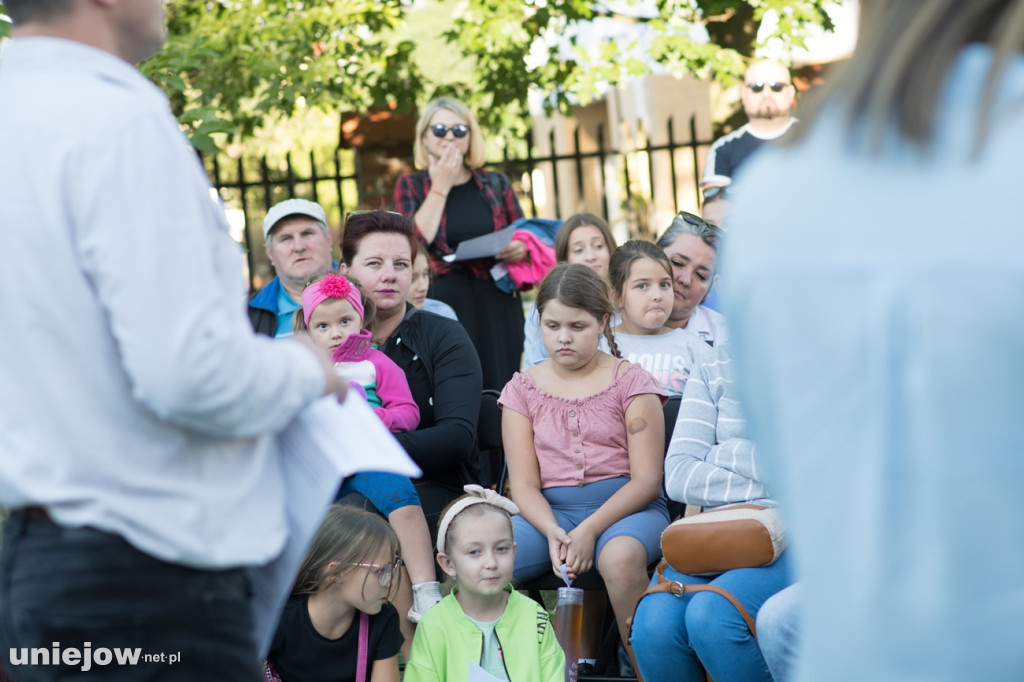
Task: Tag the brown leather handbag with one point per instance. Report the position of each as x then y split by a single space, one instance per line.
742 536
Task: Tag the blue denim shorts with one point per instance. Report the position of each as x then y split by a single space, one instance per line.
571 505
387 492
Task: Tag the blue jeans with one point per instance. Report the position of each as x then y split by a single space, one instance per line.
83 590
778 632
673 637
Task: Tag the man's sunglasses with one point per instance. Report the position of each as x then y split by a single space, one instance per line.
459 130
775 87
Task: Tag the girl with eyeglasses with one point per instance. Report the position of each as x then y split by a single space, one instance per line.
691 244
451 199
339 606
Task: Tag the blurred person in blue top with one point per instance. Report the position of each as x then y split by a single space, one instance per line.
879 338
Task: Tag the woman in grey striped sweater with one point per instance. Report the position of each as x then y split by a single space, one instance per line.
710 463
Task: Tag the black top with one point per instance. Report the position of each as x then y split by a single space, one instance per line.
443 371
468 215
301 654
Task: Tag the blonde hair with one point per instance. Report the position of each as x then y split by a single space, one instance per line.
905 51
477 153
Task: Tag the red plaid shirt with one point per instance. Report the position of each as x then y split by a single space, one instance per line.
411 191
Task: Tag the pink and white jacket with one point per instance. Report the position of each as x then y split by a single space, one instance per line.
381 381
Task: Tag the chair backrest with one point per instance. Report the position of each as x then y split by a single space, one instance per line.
488 438
671 412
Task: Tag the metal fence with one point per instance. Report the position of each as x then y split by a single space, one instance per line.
601 179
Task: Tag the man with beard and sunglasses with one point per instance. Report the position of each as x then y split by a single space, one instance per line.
768 97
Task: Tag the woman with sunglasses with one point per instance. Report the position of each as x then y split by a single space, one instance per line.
691 244
339 601
452 199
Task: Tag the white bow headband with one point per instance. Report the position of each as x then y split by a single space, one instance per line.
474 495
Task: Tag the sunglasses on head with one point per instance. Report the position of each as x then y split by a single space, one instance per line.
697 221
775 87
364 211
458 130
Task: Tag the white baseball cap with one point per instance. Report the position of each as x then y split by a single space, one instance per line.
289 207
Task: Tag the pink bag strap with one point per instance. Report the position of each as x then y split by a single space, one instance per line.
364 640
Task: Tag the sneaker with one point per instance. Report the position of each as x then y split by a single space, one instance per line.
425 596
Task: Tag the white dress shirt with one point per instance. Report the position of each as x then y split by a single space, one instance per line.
134 397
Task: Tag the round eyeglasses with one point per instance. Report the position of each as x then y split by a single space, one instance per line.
384 571
458 130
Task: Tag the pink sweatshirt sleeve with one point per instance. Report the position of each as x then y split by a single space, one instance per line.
398 411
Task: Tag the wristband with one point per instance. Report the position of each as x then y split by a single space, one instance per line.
439 193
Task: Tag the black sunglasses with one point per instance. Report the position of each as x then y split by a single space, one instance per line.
697 221
775 87
458 130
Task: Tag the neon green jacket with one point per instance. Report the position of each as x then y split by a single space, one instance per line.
446 641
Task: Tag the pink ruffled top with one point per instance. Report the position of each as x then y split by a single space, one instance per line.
579 440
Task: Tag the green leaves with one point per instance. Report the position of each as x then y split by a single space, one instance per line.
535 45
230 66
249 60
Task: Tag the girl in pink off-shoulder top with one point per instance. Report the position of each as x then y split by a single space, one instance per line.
584 441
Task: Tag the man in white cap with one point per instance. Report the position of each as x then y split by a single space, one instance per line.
298 245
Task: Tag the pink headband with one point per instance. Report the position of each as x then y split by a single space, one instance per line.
331 286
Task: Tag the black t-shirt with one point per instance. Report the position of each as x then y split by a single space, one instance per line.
301 654
467 215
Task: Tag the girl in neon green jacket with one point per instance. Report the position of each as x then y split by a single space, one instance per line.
483 621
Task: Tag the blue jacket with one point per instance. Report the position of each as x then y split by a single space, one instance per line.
263 308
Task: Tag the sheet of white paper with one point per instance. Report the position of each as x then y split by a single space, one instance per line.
322 445
482 247
478 674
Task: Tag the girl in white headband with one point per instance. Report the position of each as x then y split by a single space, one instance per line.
483 621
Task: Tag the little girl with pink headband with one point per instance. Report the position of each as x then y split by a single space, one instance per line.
336 315
333 313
